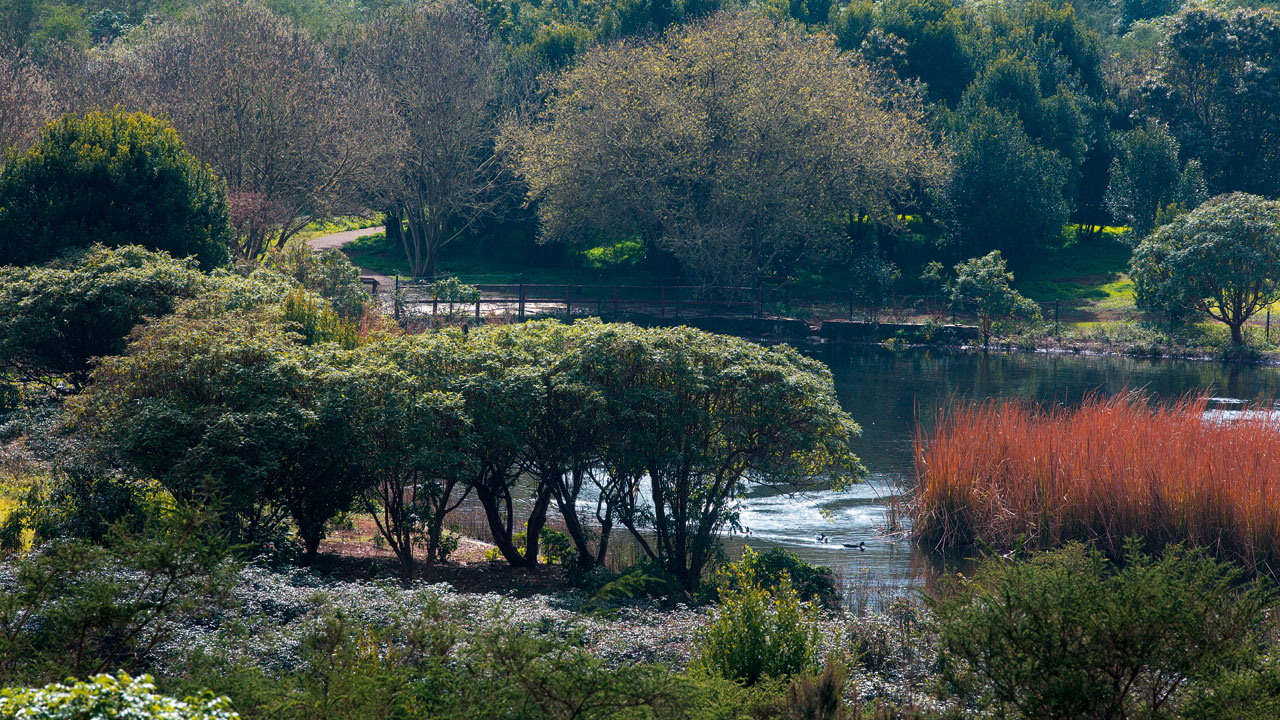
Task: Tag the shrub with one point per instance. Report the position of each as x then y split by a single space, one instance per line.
73 607
328 274
113 178
757 633
1068 635
812 583
54 320
448 544
994 472
105 696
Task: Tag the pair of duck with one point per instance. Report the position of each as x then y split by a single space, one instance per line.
823 538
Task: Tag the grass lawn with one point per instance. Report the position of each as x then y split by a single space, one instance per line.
1088 277
339 224
498 266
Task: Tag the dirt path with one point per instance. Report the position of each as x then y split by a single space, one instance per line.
337 240
325 242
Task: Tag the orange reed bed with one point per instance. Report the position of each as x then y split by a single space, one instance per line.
990 472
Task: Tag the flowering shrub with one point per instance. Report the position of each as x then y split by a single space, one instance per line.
105 696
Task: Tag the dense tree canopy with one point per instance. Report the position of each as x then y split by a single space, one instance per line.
1216 87
1222 260
729 142
1148 175
995 158
55 319
116 179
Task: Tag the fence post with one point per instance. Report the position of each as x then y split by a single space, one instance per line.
477 309
521 310
599 299
662 309
395 299
675 302
568 302
850 305
615 299
759 301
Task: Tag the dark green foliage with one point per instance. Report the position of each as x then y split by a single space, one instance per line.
939 39
813 583
75 608
55 319
1148 176
995 158
112 178
1069 635
229 409
1216 88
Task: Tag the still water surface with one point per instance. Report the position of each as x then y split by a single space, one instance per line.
886 391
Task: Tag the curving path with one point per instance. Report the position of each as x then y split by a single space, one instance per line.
337 240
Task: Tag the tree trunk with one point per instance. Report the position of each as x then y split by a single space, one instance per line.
311 543
1237 333
533 528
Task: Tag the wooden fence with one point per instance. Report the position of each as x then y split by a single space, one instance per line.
522 300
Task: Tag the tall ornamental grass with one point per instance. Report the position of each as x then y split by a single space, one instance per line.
994 473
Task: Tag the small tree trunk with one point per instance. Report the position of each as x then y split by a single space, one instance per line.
311 543
1237 333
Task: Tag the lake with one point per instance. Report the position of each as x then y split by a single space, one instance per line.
886 391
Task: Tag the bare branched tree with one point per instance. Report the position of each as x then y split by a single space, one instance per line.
443 73
266 106
26 99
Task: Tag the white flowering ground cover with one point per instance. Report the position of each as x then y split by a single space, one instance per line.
275 611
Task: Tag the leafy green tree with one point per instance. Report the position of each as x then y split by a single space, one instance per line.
1067 634
730 143
696 419
1214 87
224 409
500 389
982 286
1006 192
1222 260
112 178
411 441
1147 176
55 319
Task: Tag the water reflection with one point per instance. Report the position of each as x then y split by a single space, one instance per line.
886 391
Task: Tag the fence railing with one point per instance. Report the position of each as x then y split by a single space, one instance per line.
521 300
